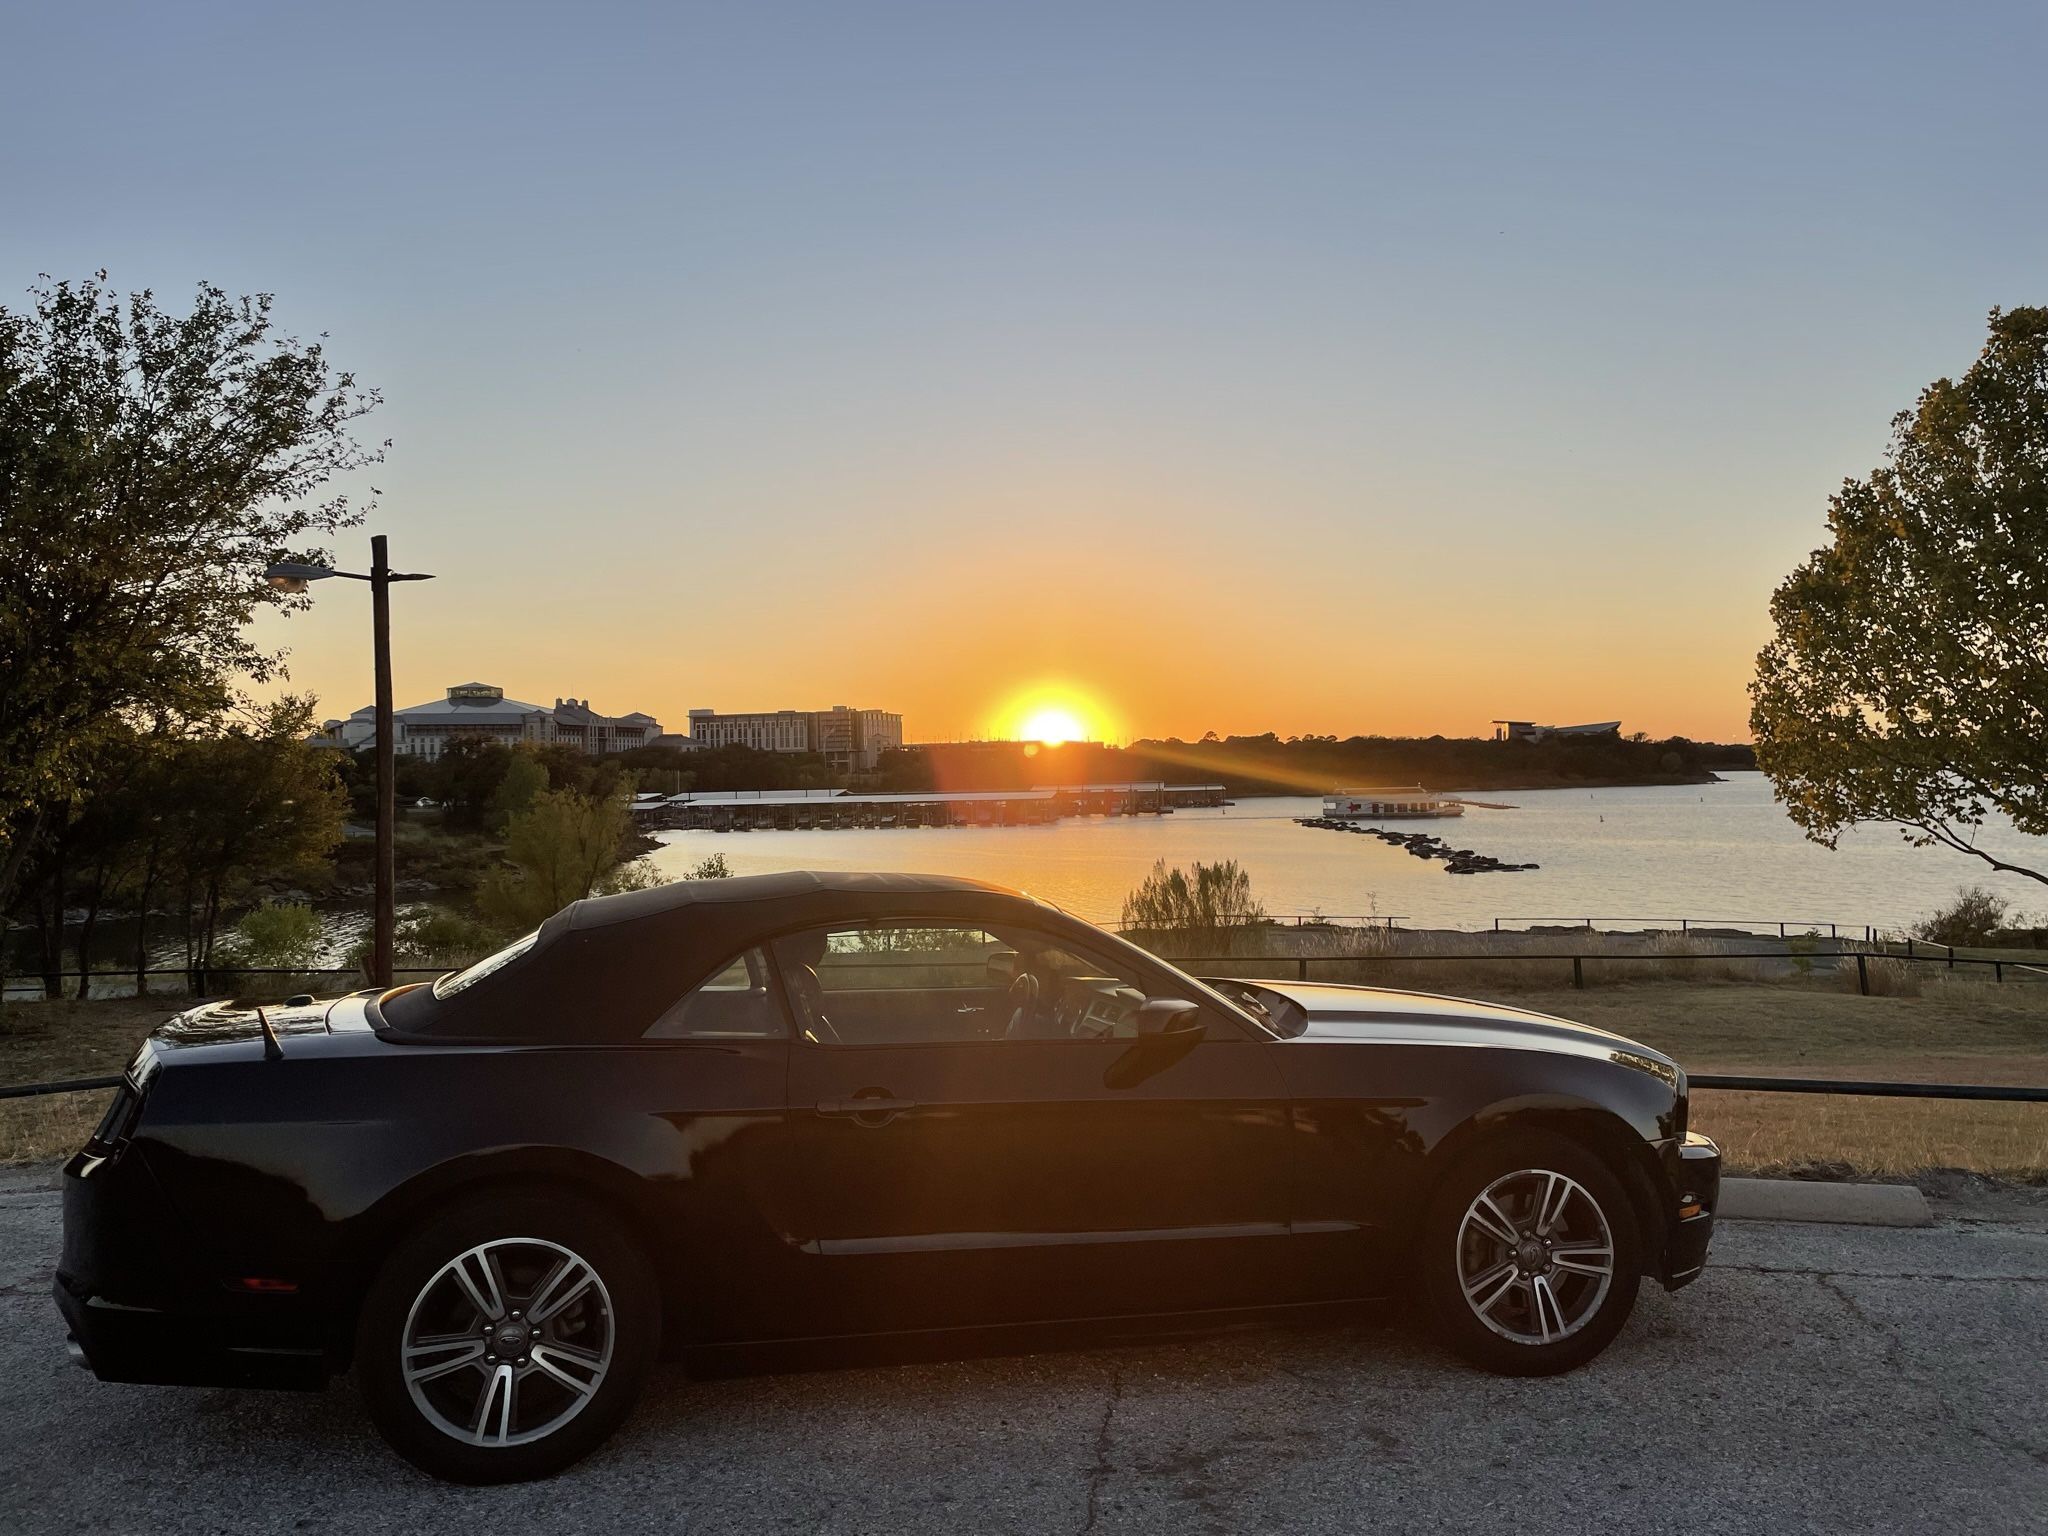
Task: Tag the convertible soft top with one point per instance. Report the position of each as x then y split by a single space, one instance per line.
606 968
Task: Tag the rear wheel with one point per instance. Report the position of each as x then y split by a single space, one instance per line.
1530 1257
506 1339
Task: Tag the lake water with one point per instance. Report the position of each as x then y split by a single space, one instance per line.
1696 850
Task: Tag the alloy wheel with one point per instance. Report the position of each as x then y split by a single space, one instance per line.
1535 1256
507 1342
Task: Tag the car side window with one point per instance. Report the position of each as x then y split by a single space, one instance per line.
896 983
904 983
737 1002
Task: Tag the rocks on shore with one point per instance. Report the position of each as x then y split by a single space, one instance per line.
1457 861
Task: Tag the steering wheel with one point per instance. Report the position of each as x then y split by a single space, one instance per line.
1023 999
811 995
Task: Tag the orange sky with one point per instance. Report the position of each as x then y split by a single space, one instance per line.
1145 619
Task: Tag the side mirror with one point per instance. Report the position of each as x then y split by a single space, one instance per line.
1168 1016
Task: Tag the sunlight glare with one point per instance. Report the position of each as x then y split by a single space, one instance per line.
1053 726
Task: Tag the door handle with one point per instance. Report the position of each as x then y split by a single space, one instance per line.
862 1107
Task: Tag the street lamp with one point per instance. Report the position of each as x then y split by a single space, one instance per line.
292 576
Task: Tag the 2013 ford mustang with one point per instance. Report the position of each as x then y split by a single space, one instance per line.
785 1108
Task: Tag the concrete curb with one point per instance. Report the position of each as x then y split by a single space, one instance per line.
1863 1205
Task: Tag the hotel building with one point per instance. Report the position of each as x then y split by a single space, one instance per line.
481 712
848 739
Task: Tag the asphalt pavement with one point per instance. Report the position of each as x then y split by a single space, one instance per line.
1818 1378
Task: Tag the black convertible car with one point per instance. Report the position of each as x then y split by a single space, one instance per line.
800 1107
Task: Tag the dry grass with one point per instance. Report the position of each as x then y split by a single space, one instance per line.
52 1042
50 1129
1895 1138
1955 1031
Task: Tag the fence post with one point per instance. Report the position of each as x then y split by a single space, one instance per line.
1951 957
1684 925
1781 930
1301 968
1862 973
1998 970
1909 946
1578 973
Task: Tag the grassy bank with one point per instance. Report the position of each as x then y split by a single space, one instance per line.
1953 1031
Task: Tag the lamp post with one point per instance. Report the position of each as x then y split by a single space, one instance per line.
292 576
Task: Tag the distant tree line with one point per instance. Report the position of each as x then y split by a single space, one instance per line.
1297 765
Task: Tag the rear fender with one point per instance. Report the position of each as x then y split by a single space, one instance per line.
472 1176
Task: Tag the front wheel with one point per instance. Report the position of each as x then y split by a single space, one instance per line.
1530 1258
506 1339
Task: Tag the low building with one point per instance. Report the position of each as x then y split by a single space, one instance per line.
1528 730
481 712
850 740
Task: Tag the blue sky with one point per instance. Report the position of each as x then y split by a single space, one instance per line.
1286 366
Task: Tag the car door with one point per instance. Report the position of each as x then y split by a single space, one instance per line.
961 1160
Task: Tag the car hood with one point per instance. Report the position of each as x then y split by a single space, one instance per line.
1382 1015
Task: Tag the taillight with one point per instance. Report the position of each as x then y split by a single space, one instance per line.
119 1119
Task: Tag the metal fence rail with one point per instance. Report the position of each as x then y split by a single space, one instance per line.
1788 927
1862 957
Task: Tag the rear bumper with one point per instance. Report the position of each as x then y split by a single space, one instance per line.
117 1342
1692 1168
141 1308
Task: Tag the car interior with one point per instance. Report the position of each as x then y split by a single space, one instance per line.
876 984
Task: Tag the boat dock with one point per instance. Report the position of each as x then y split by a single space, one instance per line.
808 810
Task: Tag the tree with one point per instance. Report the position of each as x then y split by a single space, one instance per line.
1972 917
254 803
151 466
524 778
564 847
1202 900
1908 677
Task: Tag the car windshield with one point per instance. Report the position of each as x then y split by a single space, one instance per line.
456 981
1278 1012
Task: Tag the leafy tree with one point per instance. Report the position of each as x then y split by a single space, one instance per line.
564 847
1908 678
254 802
151 466
430 938
1201 900
274 935
1972 917
523 780
711 867
465 780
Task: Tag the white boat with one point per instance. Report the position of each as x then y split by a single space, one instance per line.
1389 802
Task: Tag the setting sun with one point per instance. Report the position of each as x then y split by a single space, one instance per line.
1052 726
1052 713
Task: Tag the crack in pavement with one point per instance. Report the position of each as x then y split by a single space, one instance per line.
1098 1473
1894 1357
1874 1274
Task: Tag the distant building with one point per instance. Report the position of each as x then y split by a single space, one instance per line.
849 739
1528 730
481 712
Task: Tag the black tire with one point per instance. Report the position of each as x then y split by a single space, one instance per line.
618 1317
1508 1339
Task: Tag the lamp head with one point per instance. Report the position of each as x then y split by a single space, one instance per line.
292 575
